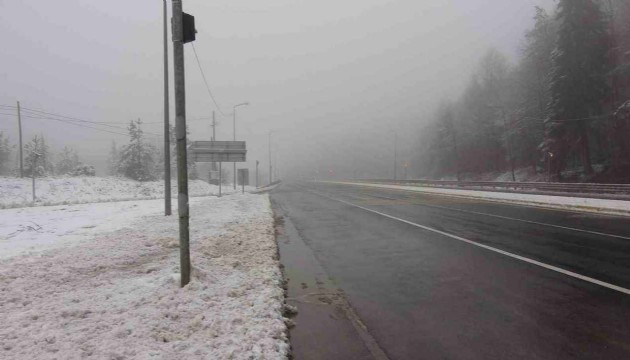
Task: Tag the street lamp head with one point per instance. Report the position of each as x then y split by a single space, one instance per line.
241 104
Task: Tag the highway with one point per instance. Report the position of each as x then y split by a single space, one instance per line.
436 277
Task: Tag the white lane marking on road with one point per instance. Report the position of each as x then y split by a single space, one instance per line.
522 258
521 220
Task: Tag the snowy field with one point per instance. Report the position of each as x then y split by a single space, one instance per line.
101 281
17 192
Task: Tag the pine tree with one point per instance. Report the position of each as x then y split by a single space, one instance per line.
136 158
36 157
619 58
442 150
578 81
533 96
68 161
112 160
46 158
5 154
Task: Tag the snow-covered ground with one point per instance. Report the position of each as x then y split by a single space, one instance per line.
101 281
525 174
521 174
17 192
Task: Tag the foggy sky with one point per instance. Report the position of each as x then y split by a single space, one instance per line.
333 80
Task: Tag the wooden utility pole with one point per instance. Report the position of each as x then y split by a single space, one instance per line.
256 173
167 145
33 171
243 181
234 132
213 165
180 129
19 114
270 174
214 127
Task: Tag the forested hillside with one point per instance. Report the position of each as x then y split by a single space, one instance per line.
562 110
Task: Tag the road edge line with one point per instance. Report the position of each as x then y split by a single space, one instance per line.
490 248
536 204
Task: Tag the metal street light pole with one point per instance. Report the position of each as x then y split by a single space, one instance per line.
395 156
19 114
167 146
234 128
270 175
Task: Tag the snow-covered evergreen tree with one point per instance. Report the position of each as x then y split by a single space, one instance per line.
112 160
137 158
578 81
5 155
37 157
68 161
532 90
84 170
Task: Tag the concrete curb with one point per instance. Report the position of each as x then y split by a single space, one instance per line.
265 189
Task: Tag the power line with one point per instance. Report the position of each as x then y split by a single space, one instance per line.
70 123
51 116
46 115
9 107
75 124
206 81
43 115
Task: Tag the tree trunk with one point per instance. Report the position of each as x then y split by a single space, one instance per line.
533 162
585 152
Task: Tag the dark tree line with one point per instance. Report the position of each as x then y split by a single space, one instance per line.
563 108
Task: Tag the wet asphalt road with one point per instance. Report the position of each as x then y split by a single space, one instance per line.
423 295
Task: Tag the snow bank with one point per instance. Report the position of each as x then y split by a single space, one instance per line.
17 192
603 206
36 229
116 295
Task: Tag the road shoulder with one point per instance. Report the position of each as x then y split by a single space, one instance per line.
326 326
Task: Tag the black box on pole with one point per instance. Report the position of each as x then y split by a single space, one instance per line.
189 28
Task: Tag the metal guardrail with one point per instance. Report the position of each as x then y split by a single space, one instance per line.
590 190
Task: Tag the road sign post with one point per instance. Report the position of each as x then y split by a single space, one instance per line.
218 151
183 31
243 178
167 146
